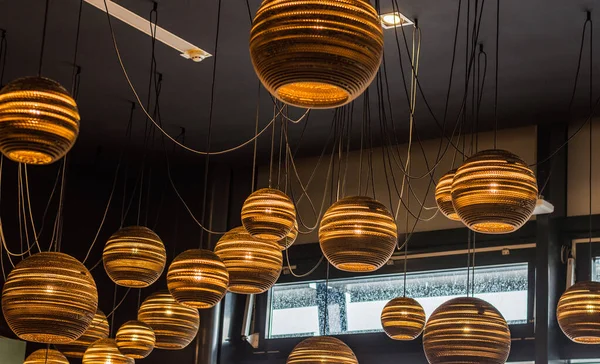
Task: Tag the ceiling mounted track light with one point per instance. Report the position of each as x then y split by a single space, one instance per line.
494 192
316 53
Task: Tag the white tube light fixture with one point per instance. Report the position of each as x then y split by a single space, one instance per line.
185 48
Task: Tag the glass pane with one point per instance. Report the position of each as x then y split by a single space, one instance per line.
354 305
596 269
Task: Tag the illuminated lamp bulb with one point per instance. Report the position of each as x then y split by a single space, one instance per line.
97 330
358 234
105 351
290 238
494 192
135 339
578 312
254 264
134 257
443 196
49 298
466 330
316 53
175 325
403 318
322 349
268 214
39 121
198 278
46 356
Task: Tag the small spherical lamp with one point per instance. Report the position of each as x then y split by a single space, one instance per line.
39 121
134 257
97 330
322 349
316 53
578 312
105 351
198 278
466 330
358 234
494 192
403 318
46 356
290 238
49 298
268 214
443 196
254 264
135 339
175 325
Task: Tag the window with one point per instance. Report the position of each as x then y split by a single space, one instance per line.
596 269
354 305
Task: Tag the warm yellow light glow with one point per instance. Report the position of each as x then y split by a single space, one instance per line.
105 351
578 312
97 330
39 121
403 318
44 356
395 19
316 53
135 339
322 349
268 214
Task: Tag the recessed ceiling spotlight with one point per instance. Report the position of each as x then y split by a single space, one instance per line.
395 19
186 49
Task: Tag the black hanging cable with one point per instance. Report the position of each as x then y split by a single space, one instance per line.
468 260
43 37
272 145
591 139
496 75
210 120
112 319
3 53
76 68
473 264
255 134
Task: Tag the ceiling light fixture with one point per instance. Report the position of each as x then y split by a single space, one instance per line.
394 19
187 49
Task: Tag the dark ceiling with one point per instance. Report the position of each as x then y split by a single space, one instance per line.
538 56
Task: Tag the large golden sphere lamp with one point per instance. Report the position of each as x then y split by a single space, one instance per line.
175 325
135 339
494 192
254 264
358 234
105 351
134 257
39 121
403 318
322 349
46 356
316 53
97 330
443 196
198 278
466 330
290 238
49 298
268 214
578 312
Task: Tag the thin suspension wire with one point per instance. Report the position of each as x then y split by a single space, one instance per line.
210 121
3 53
591 91
76 68
496 74
41 63
256 136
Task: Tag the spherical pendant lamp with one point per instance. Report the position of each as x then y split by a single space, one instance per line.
494 192
198 278
443 196
322 349
49 298
39 121
175 325
254 265
135 339
316 53
97 330
403 318
358 234
134 257
578 312
45 356
290 238
466 330
268 214
105 351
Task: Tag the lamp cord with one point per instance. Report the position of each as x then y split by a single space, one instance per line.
76 68
256 135
496 73
3 52
591 138
43 37
210 121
